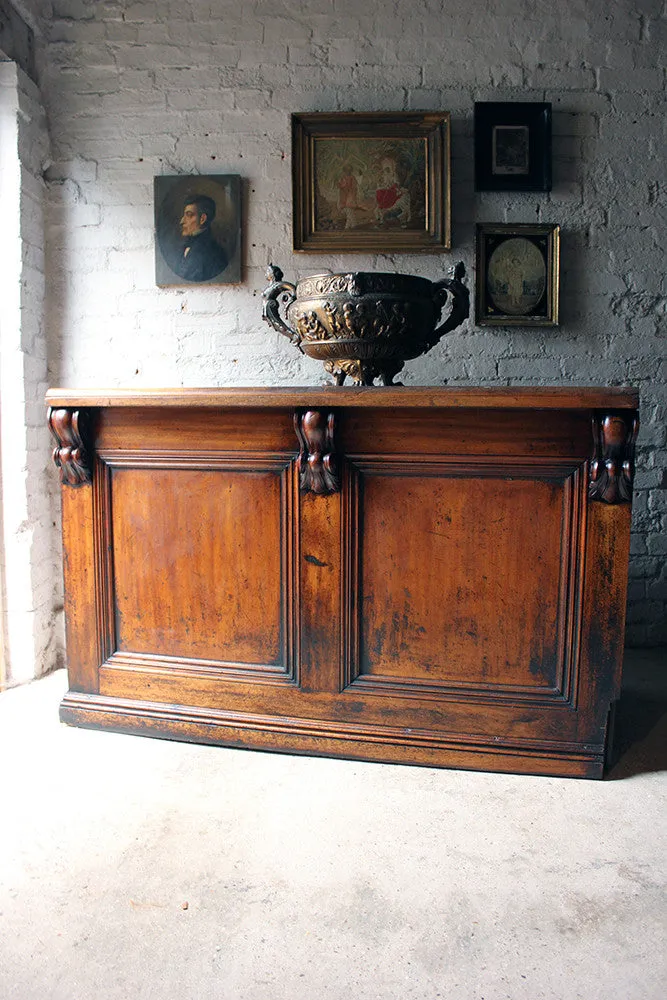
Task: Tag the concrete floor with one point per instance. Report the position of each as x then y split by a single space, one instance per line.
137 868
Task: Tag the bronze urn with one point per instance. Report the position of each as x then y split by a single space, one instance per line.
365 325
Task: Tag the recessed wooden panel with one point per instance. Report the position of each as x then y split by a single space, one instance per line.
465 582
199 564
517 433
242 431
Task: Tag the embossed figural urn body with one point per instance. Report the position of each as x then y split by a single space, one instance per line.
365 325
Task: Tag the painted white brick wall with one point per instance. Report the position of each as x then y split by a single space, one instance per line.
31 619
139 89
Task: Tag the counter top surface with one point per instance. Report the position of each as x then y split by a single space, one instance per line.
261 397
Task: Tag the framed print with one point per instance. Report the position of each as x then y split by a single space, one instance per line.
371 182
517 275
197 230
512 146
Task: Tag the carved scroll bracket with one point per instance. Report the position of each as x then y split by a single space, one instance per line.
318 472
613 461
70 429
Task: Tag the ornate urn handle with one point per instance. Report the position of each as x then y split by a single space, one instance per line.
451 287
279 293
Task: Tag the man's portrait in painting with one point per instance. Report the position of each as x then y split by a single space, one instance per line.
197 230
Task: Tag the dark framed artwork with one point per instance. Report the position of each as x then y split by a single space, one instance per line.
517 275
512 146
197 229
371 182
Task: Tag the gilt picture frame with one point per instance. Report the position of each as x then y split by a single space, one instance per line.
512 146
517 274
371 182
197 229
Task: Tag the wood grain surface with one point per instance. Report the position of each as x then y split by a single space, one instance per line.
372 397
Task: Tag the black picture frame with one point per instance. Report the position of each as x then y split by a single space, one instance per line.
517 274
512 146
212 254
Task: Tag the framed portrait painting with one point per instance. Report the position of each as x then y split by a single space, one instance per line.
197 229
512 146
372 182
517 275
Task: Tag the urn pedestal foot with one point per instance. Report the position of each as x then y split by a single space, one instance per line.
364 372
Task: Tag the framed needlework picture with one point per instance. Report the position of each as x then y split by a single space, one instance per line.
517 275
512 146
197 229
373 182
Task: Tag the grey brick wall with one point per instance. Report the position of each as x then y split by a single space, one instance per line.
138 89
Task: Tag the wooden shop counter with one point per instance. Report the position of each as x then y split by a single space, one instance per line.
423 575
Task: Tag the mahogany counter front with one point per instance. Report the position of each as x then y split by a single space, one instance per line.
429 576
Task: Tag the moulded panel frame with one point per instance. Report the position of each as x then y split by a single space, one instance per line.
110 657
570 585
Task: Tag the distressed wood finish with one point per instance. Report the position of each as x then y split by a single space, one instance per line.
425 576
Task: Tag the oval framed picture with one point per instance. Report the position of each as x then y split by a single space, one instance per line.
517 275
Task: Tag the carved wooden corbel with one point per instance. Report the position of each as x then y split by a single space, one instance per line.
613 461
69 428
318 471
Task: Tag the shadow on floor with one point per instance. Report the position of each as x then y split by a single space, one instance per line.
640 731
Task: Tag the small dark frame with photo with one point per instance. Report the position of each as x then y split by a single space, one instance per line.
512 146
197 229
517 280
